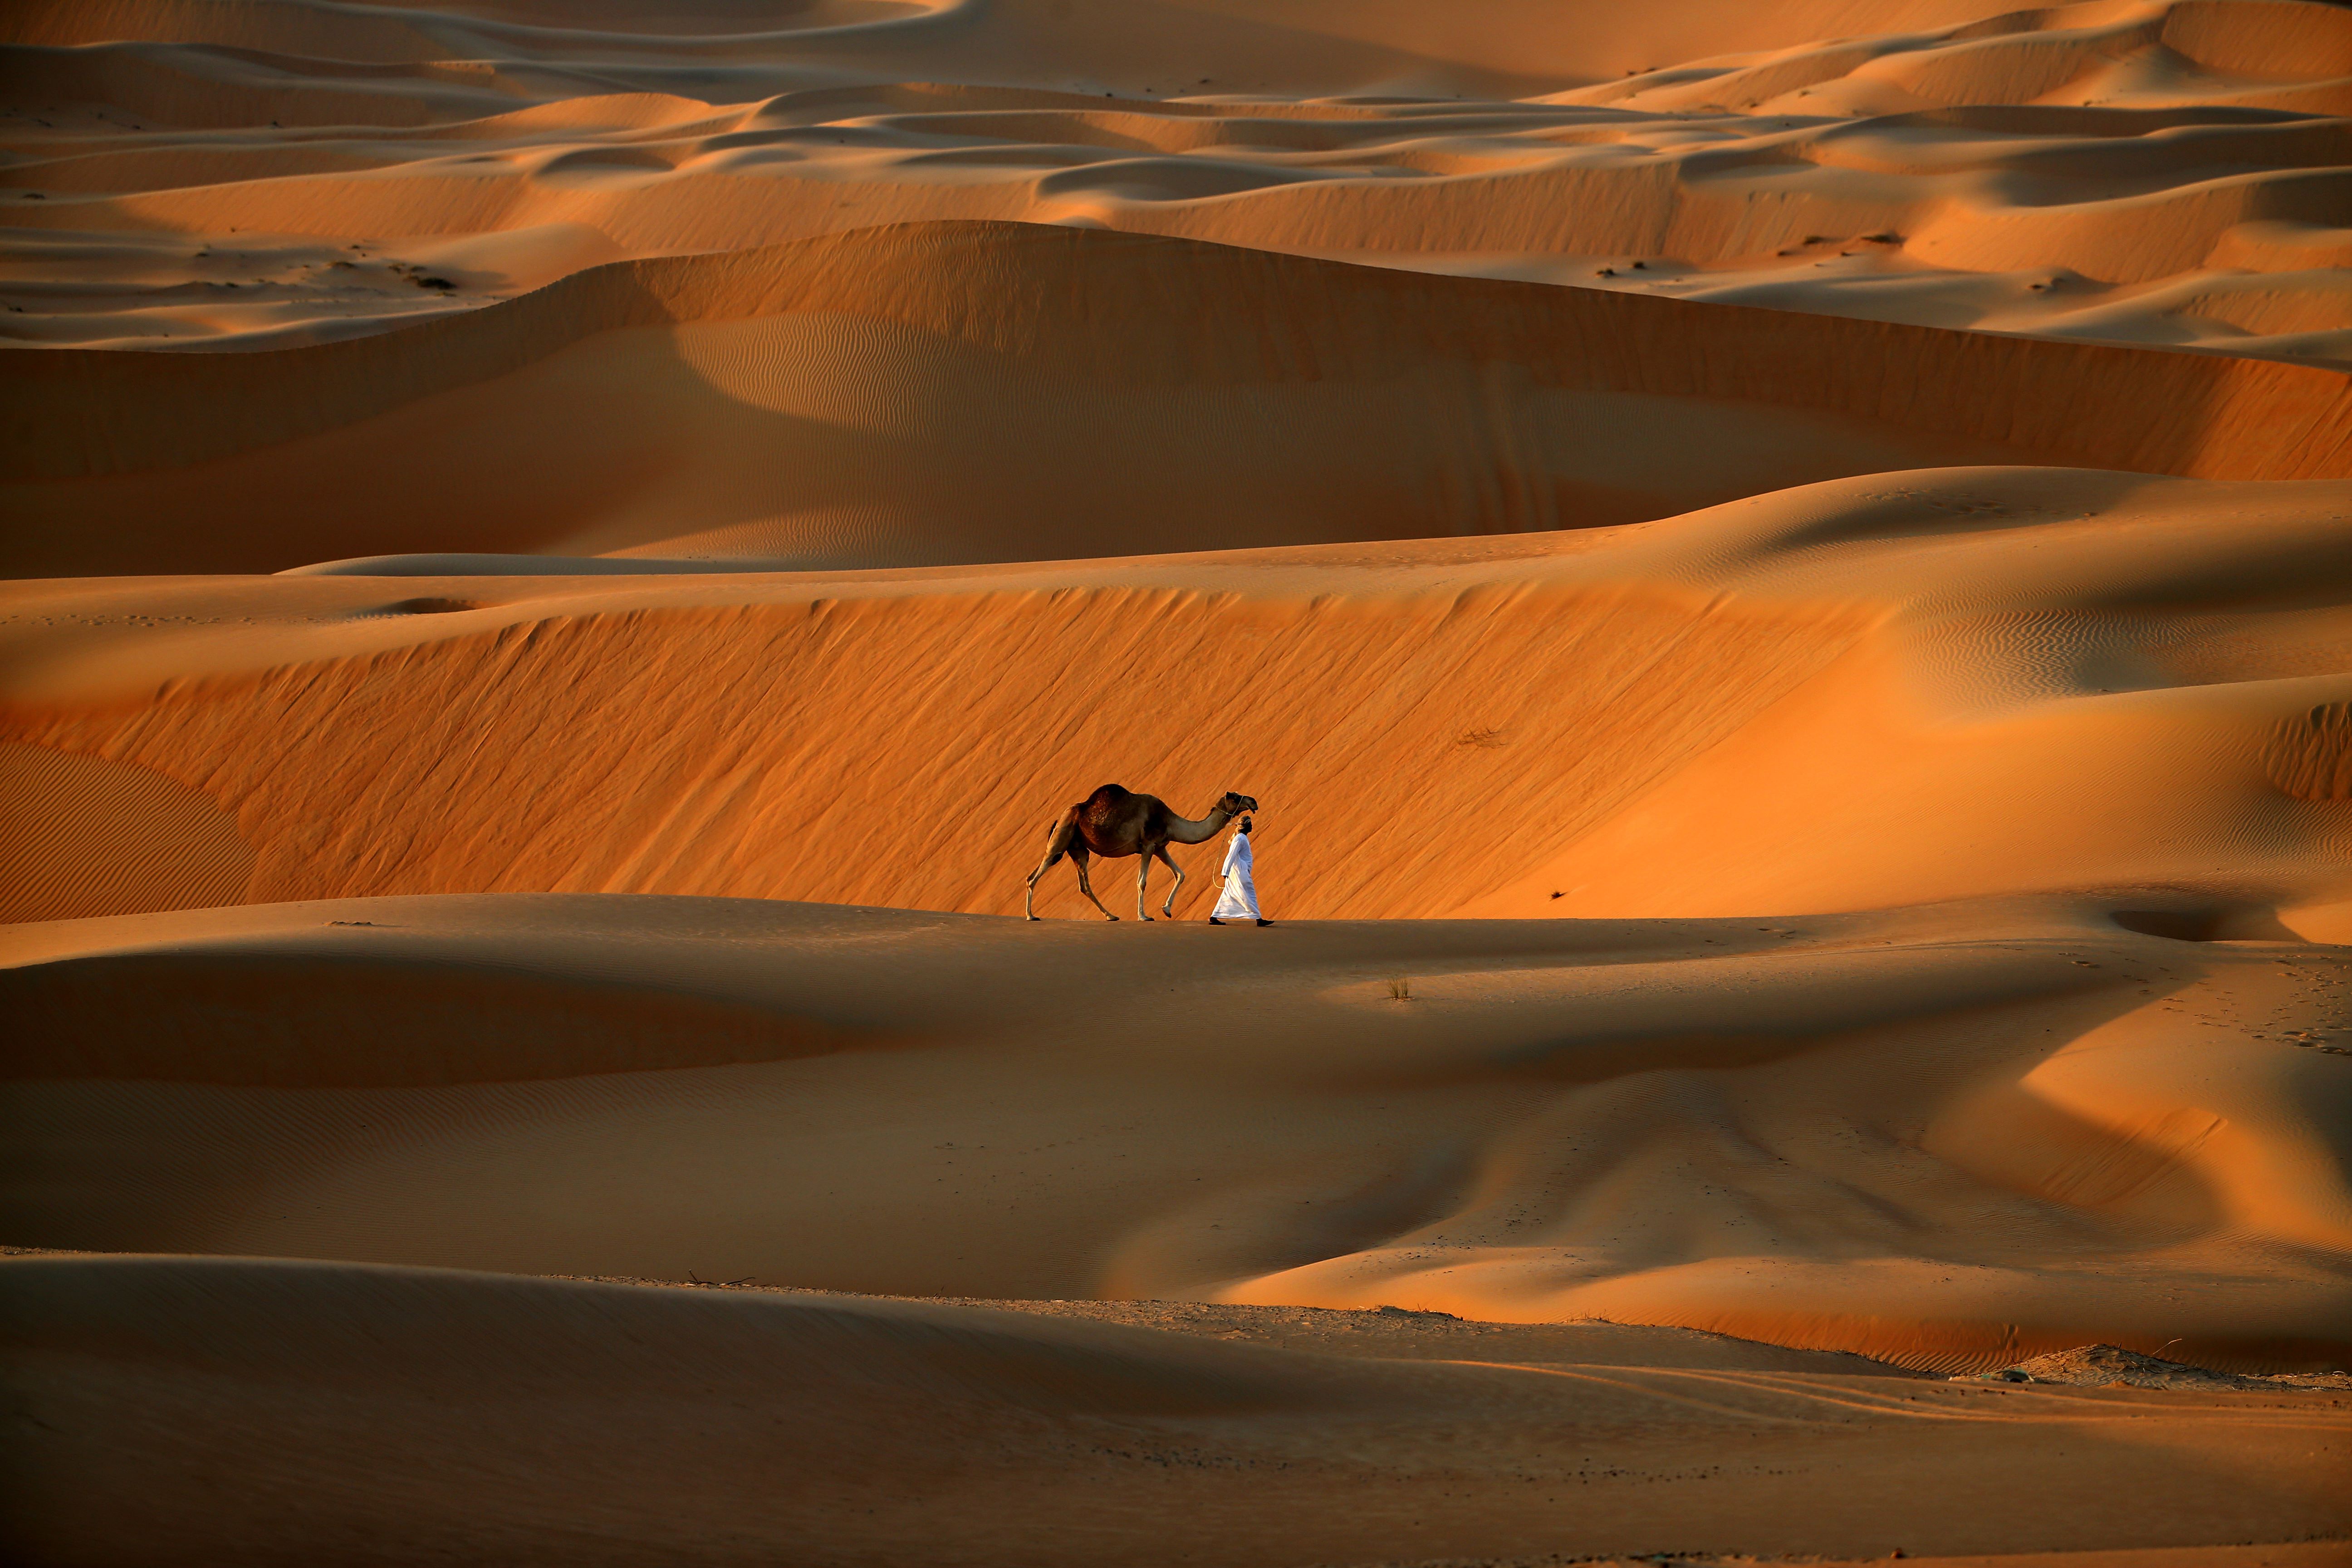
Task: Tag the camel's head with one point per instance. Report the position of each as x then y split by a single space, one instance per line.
1234 805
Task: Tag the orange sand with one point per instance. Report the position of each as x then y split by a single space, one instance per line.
259 174
1780 572
865 398
2091 681
1949 1137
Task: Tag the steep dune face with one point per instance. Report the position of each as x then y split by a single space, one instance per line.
761 746
2093 681
956 392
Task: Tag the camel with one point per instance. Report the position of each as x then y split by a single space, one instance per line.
1113 822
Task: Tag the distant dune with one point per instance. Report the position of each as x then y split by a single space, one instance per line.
213 175
961 393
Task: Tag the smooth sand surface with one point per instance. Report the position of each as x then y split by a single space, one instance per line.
1778 574
1947 1138
581 1423
963 393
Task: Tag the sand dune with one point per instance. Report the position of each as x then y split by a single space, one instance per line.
1777 572
251 175
1949 1139
958 393
2094 681
731 1428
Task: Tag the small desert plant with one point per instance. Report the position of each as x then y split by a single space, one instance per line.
1400 989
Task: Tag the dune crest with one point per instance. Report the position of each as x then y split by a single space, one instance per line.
226 176
958 393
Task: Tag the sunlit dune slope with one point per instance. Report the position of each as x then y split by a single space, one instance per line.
1799 702
693 1426
1949 1137
221 175
974 392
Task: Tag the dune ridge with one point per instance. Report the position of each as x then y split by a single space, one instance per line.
2162 173
1019 287
805 404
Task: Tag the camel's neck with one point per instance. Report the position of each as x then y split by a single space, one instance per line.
1183 832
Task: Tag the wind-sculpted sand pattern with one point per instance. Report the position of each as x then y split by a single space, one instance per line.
2161 173
1779 571
942 394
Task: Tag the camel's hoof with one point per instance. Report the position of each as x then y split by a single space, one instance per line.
1032 917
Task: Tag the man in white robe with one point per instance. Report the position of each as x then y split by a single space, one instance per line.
1239 900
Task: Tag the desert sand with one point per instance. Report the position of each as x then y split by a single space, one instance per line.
1781 574
830 1429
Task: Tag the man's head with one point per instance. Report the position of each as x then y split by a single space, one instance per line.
1246 825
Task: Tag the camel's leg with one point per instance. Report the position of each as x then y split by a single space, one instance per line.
1169 908
1058 843
1143 875
1029 899
1086 885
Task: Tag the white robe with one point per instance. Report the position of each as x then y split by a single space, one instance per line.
1240 900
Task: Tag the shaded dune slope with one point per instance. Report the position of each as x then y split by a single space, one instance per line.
988 392
731 1428
1948 1139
